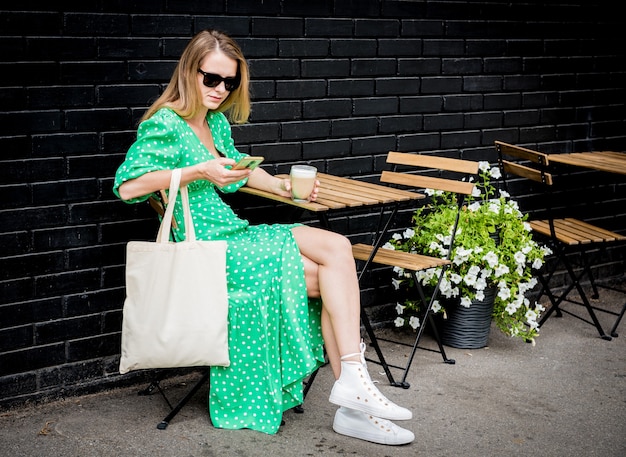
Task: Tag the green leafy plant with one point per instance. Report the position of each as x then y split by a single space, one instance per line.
493 248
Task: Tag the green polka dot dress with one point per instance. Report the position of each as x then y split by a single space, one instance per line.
275 338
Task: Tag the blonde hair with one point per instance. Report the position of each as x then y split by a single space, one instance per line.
182 93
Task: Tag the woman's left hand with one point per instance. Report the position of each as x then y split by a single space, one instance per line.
284 189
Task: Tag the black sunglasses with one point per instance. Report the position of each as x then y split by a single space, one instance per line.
213 80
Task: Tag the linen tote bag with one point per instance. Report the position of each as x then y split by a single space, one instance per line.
176 308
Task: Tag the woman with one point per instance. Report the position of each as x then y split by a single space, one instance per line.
186 128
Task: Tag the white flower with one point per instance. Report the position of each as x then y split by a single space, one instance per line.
473 207
399 322
436 306
520 258
501 270
396 236
504 293
396 283
483 166
414 322
495 172
409 233
491 258
476 192
400 308
466 302
388 245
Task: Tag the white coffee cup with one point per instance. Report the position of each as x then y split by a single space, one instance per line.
302 182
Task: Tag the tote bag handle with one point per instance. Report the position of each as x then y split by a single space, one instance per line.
166 222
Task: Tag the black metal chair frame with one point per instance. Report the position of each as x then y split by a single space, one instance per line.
536 168
369 254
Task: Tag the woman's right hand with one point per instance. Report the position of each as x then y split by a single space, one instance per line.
219 171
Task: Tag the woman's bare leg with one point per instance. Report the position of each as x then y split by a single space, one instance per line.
338 287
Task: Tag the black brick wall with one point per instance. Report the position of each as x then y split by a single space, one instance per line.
336 83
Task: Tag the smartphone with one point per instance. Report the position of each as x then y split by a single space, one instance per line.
250 162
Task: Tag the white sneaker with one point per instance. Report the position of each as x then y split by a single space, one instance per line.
355 390
357 424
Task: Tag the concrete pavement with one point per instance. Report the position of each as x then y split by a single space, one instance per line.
565 396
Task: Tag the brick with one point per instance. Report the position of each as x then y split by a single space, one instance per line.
256 132
278 151
419 142
482 120
346 128
482 84
483 47
93 302
313 109
16 338
373 67
13 98
312 150
31 264
399 86
422 27
351 87
350 47
66 283
96 24
375 106
24 23
65 191
277 26
456 140
65 96
433 47
463 102
28 73
130 94
278 68
421 104
66 329
269 111
71 374
303 47
85 72
64 144
28 313
316 68
16 385
400 47
373 145
20 361
305 130
61 48
443 121
22 122
504 101
128 48
330 27
419 66
300 89
397 124
461 66
521 118
350 166
145 25
376 27
29 218
441 85
233 25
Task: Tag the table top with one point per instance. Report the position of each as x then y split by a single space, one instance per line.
609 161
337 192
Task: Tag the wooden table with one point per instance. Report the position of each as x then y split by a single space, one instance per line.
609 161
340 193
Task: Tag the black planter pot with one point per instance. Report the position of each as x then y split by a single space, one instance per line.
468 328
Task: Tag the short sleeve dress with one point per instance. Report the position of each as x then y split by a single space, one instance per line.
275 338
